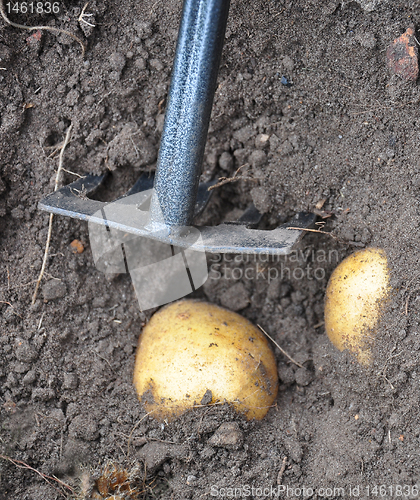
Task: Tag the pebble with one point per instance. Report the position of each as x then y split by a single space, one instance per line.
284 81
228 435
140 63
243 134
261 141
77 246
29 378
226 161
155 453
258 158
402 56
207 398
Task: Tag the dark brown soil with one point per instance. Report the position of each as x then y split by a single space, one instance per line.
346 131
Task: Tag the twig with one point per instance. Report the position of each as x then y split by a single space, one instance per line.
235 178
14 312
73 173
281 471
135 427
47 245
281 350
44 28
82 15
23 465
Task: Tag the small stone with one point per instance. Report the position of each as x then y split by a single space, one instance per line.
261 141
228 435
154 454
241 156
54 289
236 297
285 81
258 158
207 398
29 378
402 56
226 161
77 246
191 479
244 134
140 63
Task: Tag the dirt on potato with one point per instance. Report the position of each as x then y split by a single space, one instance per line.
308 106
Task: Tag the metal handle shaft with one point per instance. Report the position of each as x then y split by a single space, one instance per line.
197 59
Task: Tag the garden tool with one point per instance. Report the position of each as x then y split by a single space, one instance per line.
163 209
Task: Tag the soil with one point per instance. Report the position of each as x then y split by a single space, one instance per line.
341 130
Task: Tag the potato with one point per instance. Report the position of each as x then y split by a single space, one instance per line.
193 353
356 294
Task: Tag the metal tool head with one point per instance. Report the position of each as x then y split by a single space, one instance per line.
130 214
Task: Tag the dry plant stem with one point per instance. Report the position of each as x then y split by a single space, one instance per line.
47 245
43 28
281 471
235 178
281 350
48 479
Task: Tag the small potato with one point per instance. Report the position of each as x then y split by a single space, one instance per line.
356 294
193 353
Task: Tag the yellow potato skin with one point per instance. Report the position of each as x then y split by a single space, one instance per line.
355 296
189 347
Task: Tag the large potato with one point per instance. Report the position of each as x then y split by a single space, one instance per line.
193 353
356 293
